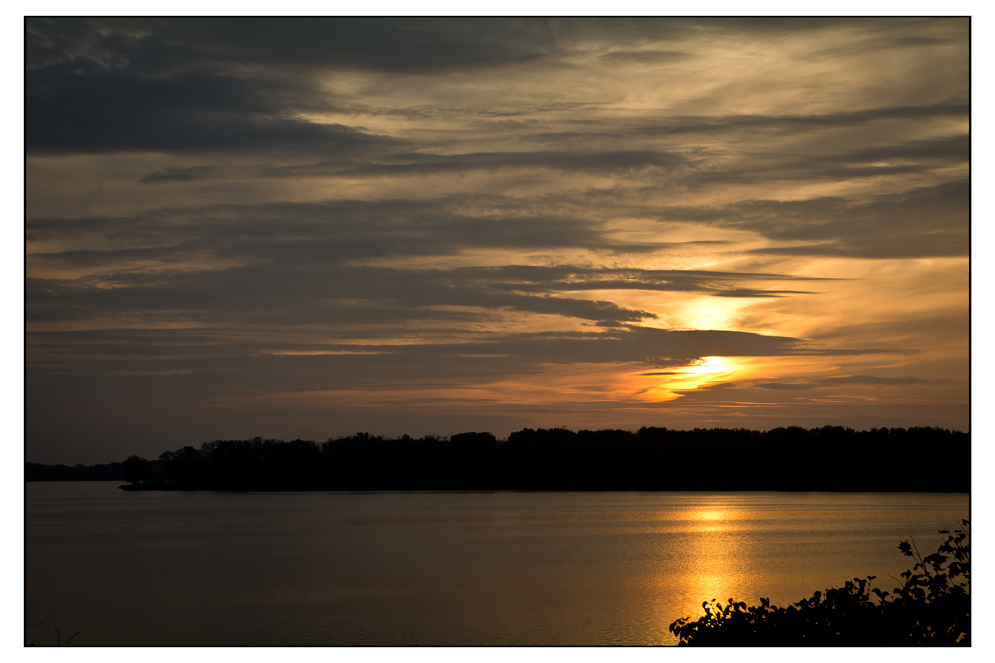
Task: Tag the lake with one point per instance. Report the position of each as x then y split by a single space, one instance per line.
491 568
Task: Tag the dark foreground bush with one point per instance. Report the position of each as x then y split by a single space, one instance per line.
931 608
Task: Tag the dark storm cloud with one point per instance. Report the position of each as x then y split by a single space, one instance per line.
299 233
644 57
791 25
636 31
403 45
398 45
98 110
341 229
954 149
631 344
264 296
868 379
910 157
226 355
619 161
238 85
89 259
301 263
886 40
320 291
792 123
949 321
921 222
106 85
746 292
567 278
841 381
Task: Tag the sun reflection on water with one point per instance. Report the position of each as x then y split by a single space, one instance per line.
710 567
712 571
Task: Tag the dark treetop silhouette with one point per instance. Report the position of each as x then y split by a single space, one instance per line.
931 607
831 458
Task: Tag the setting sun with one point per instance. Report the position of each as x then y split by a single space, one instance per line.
664 385
709 365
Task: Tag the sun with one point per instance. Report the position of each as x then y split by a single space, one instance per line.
708 365
668 384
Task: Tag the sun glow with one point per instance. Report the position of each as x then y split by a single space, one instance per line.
705 372
709 365
712 566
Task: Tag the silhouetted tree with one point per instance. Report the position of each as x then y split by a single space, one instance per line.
137 469
560 459
932 607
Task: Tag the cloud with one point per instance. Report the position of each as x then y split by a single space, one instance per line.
841 381
175 84
644 57
304 291
224 354
101 111
913 157
235 216
304 263
336 230
954 148
238 84
433 164
927 221
807 122
395 45
948 31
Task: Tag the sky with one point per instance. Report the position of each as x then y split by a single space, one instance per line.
313 227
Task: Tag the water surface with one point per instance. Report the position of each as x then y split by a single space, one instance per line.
504 568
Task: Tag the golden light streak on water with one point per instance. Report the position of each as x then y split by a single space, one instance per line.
710 564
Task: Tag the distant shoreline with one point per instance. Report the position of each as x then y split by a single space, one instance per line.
172 488
827 459
140 488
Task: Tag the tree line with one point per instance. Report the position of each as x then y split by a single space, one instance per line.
831 458
79 472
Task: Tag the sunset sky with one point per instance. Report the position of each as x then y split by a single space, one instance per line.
313 227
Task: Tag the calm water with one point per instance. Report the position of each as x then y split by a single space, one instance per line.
440 568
